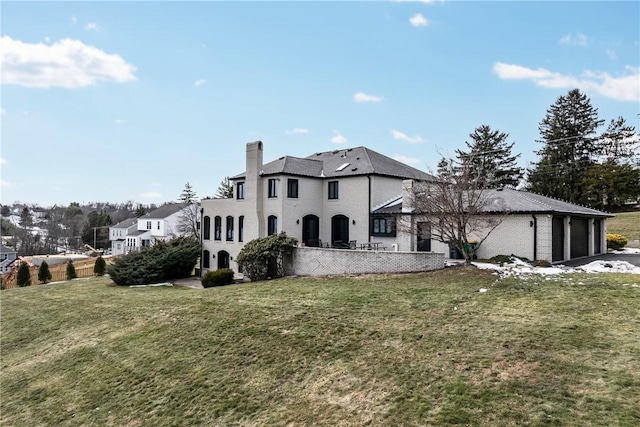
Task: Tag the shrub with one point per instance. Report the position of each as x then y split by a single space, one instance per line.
221 277
99 267
44 275
541 263
616 241
24 275
500 259
263 258
71 271
163 261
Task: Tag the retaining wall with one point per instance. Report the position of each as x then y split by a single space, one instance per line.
322 262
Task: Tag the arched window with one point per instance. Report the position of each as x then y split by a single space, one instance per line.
240 228
206 225
217 228
229 228
272 225
206 257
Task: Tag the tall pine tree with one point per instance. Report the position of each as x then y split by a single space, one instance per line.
189 220
568 132
489 158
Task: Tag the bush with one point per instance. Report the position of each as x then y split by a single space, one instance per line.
44 275
221 277
99 267
174 259
24 275
263 258
71 271
541 263
616 241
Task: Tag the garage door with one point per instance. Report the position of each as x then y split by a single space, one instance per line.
579 237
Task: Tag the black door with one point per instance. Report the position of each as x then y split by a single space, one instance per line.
311 230
557 236
579 237
223 259
424 237
597 236
340 230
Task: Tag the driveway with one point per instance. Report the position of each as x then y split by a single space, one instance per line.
630 258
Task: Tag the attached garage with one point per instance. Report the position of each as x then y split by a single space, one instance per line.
579 237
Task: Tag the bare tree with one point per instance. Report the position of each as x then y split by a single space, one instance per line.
458 208
189 221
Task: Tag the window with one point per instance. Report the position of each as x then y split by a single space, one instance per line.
240 190
333 189
148 225
272 225
207 228
217 228
229 228
206 257
273 188
240 228
158 225
292 188
381 226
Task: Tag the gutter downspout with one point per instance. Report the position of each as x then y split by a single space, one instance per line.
535 237
369 211
201 241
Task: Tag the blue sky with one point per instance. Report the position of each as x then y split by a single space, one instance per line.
117 101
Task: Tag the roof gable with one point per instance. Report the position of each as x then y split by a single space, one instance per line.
163 211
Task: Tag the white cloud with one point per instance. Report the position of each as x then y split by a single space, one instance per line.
363 97
4 183
612 54
118 121
3 161
574 40
74 19
338 138
2 111
199 82
91 26
296 130
418 20
407 160
621 88
151 195
406 138
416 1
47 39
66 63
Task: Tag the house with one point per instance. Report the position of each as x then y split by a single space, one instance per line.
158 225
532 226
325 199
119 233
7 258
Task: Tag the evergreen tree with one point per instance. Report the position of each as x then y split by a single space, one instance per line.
568 132
99 267
225 189
26 220
140 211
44 275
489 158
24 275
71 271
188 195
101 222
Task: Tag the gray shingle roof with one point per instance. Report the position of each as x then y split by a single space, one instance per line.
346 162
514 201
126 223
163 211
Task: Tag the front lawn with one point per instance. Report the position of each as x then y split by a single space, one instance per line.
418 349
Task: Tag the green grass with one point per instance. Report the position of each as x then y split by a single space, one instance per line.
627 224
419 349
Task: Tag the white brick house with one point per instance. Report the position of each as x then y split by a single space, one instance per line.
325 199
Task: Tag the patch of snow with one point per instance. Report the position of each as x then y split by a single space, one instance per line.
627 251
517 267
148 286
483 290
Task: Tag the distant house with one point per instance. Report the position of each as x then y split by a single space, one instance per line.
158 225
7 258
535 227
